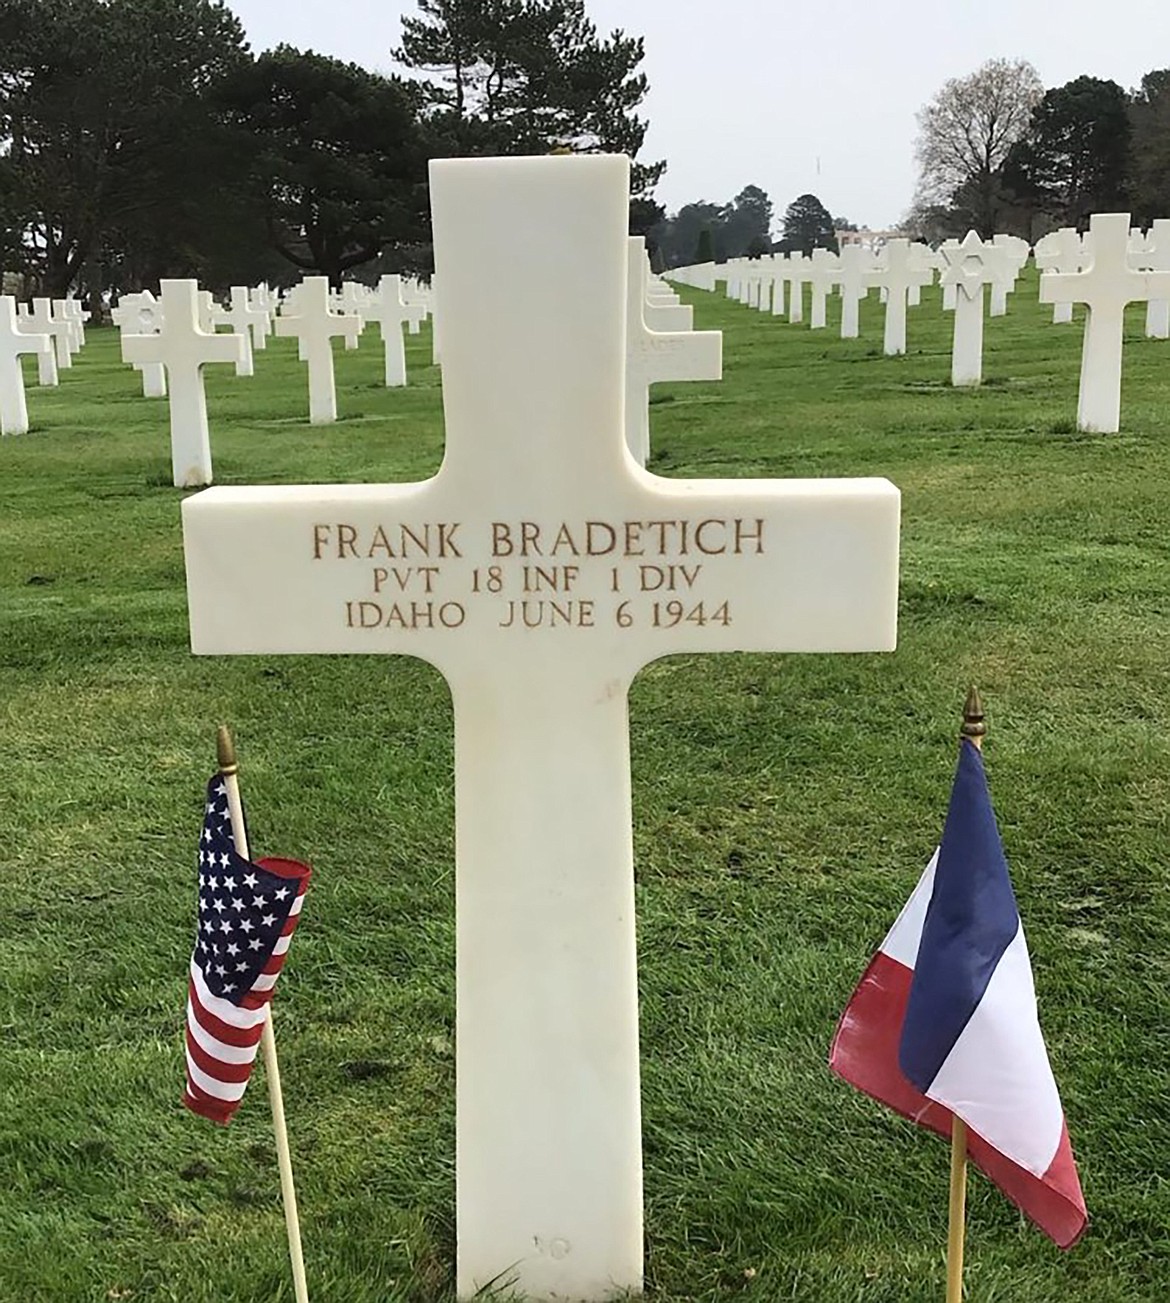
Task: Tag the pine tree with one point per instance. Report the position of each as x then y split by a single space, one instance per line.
808 225
527 77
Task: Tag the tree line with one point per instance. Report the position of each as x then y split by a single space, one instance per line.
710 232
998 152
142 138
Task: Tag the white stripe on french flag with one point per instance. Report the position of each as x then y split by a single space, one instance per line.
944 1020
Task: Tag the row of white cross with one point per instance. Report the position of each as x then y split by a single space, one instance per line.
172 338
175 336
51 330
1109 267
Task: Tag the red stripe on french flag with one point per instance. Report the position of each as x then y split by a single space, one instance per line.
865 1054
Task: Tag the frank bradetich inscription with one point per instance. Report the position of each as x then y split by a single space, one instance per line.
531 575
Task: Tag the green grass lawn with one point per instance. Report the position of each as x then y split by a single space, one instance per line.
784 808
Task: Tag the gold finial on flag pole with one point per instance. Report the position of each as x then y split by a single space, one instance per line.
226 751
230 769
974 729
973 725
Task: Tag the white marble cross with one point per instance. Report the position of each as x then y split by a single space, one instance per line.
436 321
657 355
267 299
42 321
658 315
766 270
1106 285
13 342
855 276
264 296
46 357
306 315
183 348
898 272
929 260
1157 258
246 317
539 570
141 314
950 289
1014 254
63 312
1062 250
796 273
972 265
240 316
415 295
732 277
390 310
778 284
76 315
352 301
823 270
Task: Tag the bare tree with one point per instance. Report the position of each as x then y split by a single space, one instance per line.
965 133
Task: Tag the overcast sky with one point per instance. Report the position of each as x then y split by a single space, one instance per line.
791 97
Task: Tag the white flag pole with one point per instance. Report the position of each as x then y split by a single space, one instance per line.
973 729
230 771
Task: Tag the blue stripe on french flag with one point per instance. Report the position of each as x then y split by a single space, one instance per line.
971 921
944 1021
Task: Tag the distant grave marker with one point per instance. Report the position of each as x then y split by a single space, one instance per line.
972 265
823 269
246 318
797 272
1064 251
1158 259
306 316
653 356
855 276
390 311
42 320
899 272
15 342
184 349
1013 257
141 314
1106 285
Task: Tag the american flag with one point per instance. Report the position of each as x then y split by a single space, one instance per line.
247 914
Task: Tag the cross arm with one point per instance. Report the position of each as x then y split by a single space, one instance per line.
656 567
681 355
141 348
1084 287
27 341
803 565
668 316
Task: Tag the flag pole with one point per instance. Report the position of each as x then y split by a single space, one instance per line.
973 729
230 770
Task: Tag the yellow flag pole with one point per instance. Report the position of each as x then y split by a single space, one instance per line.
230 770
973 728
958 1210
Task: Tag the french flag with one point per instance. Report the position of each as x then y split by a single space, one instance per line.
943 1023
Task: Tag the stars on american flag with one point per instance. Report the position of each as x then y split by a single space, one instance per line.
242 907
247 915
